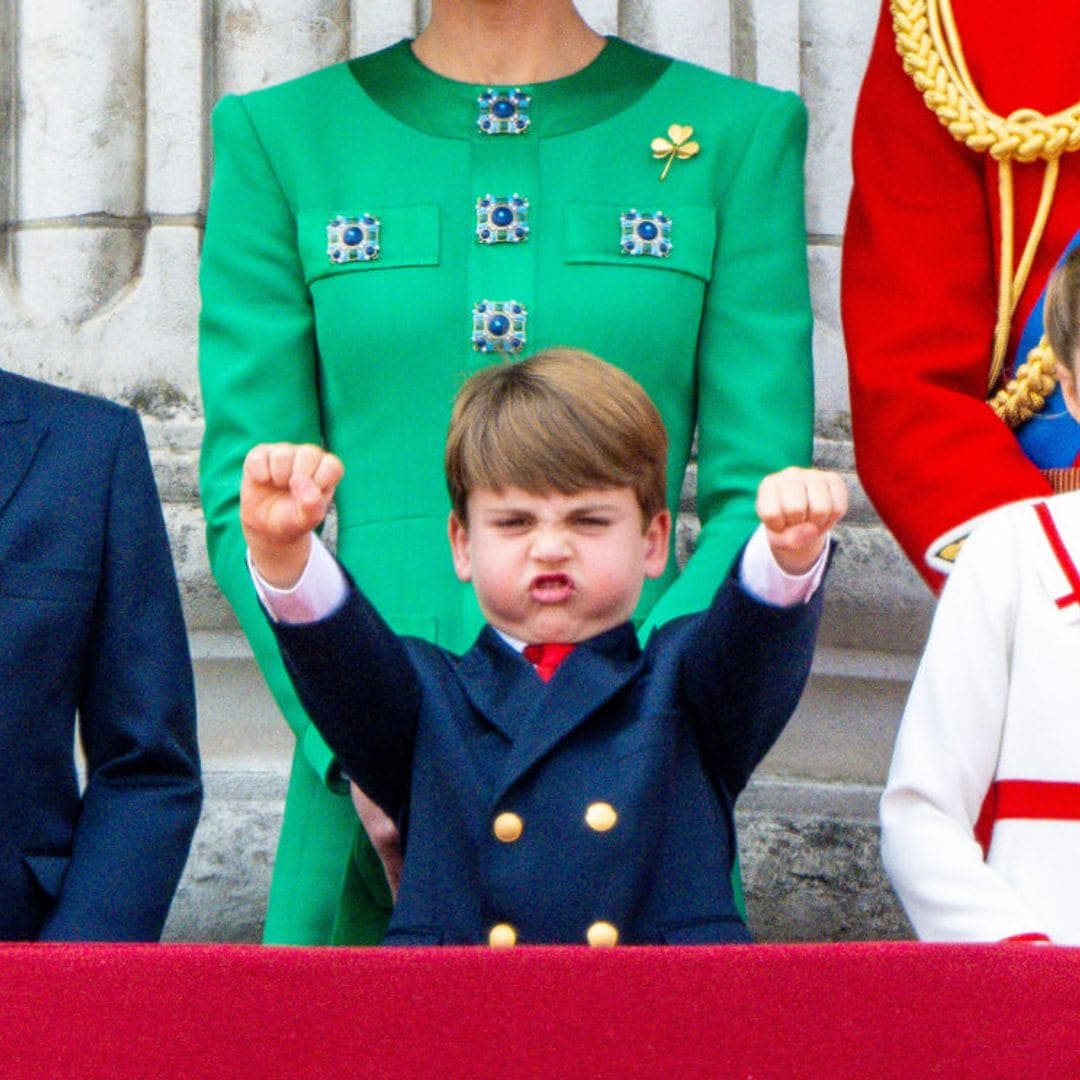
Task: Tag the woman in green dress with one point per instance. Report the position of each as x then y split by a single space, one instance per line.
506 182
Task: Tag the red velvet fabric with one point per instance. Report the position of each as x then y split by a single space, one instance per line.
878 1009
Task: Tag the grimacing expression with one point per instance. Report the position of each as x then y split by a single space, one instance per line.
557 567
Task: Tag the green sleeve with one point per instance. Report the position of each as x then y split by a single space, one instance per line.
755 393
257 367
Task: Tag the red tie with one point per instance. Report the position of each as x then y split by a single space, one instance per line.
547 657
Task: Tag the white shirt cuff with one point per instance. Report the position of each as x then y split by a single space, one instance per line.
762 577
320 591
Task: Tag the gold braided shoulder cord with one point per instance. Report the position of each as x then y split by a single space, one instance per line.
928 43
1025 394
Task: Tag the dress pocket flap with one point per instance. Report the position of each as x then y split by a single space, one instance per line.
593 234
407 236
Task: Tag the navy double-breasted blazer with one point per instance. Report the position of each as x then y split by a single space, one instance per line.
90 625
661 740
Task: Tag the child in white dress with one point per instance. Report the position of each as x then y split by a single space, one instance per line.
981 813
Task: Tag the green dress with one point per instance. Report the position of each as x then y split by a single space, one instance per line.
349 287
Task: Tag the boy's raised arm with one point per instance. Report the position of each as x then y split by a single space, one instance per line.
350 670
746 668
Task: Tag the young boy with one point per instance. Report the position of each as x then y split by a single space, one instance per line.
589 799
981 814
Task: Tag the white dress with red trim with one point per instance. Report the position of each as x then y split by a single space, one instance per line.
989 744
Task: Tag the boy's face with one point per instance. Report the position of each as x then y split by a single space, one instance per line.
558 567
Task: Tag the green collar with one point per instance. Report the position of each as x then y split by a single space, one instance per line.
396 81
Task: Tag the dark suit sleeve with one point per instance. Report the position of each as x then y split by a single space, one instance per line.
356 681
743 673
136 725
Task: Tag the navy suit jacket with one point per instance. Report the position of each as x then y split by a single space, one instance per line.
667 737
90 624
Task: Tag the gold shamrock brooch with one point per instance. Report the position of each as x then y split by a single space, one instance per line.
676 145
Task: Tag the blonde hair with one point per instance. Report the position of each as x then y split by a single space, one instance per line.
562 420
1061 311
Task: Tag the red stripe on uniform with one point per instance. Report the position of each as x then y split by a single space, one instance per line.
1038 800
1068 567
984 824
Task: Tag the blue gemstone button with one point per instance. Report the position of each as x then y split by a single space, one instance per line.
353 239
502 220
499 326
503 112
645 234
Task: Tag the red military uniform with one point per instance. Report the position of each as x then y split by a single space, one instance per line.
920 271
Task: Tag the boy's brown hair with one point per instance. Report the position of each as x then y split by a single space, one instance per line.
1061 312
562 420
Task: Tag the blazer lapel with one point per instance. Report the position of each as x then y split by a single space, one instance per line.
593 673
500 682
20 433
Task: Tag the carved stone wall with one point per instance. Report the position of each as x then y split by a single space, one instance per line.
104 168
